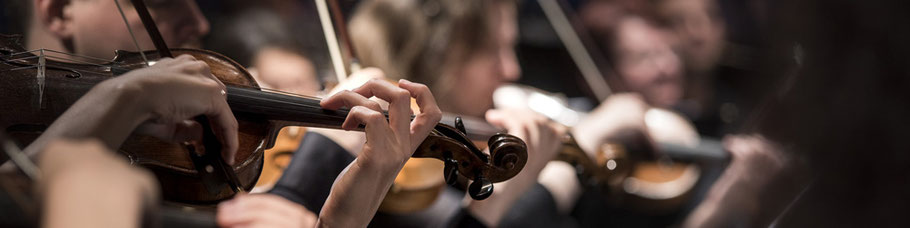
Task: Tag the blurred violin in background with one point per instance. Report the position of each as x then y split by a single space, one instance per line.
653 173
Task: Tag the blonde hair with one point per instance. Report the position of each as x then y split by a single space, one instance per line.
420 40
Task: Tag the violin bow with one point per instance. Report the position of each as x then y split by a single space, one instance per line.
331 40
211 166
331 17
348 47
574 44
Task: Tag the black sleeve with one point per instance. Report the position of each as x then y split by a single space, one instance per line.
313 169
464 219
536 207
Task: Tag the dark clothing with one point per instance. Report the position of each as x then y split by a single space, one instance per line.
318 162
536 208
309 178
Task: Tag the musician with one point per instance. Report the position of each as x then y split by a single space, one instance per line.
161 99
439 43
463 50
645 62
260 40
369 176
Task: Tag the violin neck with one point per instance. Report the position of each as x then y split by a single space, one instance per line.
284 108
291 110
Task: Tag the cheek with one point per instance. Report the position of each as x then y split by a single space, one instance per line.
637 78
480 78
98 36
170 25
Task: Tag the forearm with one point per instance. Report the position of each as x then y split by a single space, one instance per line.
561 180
357 194
352 142
109 112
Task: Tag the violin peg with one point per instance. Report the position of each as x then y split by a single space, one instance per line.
459 124
481 188
451 171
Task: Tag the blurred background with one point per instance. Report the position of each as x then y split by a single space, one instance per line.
827 79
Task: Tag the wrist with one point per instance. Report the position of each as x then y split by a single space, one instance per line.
119 108
381 169
127 98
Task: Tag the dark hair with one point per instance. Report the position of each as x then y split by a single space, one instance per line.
240 37
415 39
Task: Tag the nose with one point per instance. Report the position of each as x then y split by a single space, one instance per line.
667 63
200 25
508 64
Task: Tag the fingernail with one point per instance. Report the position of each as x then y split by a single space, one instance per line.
404 81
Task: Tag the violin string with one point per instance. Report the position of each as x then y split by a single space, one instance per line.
81 59
132 35
291 94
305 103
61 53
66 57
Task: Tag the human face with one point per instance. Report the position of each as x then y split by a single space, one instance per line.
489 68
699 29
95 27
286 71
647 64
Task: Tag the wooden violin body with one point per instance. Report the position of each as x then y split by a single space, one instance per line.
38 89
32 110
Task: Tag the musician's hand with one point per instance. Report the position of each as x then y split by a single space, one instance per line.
758 168
359 190
543 138
351 141
82 173
173 91
620 117
263 210
391 141
753 154
161 98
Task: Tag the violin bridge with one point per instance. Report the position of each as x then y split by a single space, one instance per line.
41 78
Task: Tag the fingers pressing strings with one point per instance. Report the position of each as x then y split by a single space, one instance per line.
399 103
430 113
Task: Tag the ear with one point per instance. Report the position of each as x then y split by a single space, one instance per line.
52 16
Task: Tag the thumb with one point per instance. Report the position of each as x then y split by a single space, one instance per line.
495 117
505 119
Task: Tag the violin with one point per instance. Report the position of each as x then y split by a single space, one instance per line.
655 184
39 88
20 204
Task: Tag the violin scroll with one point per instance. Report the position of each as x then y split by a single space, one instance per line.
508 155
507 151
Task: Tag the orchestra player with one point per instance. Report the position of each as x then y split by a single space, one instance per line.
161 99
